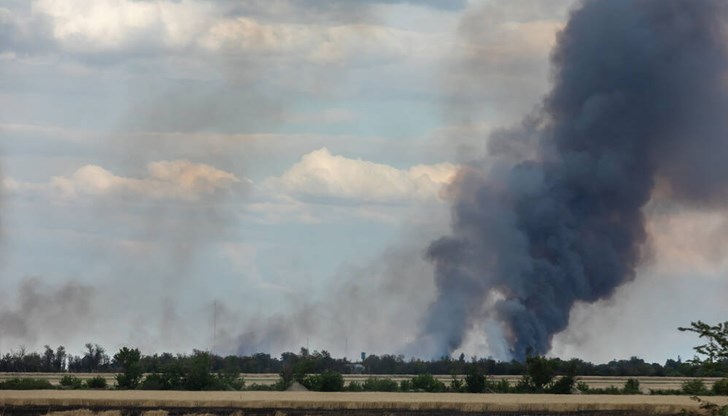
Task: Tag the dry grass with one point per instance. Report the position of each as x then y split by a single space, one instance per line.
350 401
87 412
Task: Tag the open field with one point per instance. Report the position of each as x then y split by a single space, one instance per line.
310 403
646 383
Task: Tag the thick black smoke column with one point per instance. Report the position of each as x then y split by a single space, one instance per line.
639 96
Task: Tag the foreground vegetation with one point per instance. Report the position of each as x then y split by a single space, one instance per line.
318 371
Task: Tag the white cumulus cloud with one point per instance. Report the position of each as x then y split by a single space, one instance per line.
323 177
164 180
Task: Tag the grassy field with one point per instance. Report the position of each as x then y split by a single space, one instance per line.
423 402
646 383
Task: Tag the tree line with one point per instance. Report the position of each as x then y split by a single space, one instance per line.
94 359
713 361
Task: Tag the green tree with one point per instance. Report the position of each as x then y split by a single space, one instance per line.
632 386
716 347
475 379
129 361
428 383
94 358
540 371
198 375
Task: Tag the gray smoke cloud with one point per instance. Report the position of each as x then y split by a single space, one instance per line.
638 98
39 310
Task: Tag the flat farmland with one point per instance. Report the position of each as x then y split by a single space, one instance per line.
646 383
309 403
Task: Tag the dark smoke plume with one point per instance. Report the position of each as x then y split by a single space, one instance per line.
638 98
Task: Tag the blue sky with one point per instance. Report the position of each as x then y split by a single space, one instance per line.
285 162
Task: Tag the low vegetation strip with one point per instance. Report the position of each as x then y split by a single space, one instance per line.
13 401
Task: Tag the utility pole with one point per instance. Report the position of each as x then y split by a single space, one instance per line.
214 327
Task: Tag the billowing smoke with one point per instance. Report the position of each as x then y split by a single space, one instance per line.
637 108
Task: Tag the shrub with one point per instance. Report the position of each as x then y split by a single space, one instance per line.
169 379
564 385
154 381
97 382
380 384
475 380
632 386
456 385
354 386
582 387
500 386
26 384
261 387
428 383
326 381
405 385
71 382
607 390
694 387
721 387
664 392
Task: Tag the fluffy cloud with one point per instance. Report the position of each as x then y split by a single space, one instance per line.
323 177
165 180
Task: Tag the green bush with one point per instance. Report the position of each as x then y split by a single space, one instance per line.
720 387
354 386
564 385
500 386
97 382
71 382
131 374
632 386
582 387
380 384
405 385
456 385
664 392
169 379
607 390
26 384
326 381
428 383
261 387
694 387
475 380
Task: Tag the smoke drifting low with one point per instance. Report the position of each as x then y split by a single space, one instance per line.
639 97
43 311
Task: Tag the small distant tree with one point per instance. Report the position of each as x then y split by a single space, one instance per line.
59 360
540 371
198 375
632 386
475 379
94 358
129 361
49 356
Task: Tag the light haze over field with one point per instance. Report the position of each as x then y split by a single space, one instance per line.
281 167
